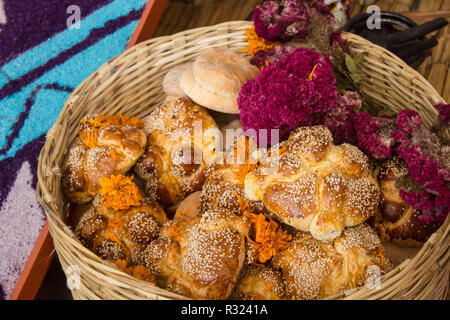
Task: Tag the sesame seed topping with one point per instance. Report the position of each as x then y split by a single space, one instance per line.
208 253
361 236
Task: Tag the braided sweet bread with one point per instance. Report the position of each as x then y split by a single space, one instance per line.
314 270
397 221
314 185
120 223
200 258
106 145
224 182
181 143
259 283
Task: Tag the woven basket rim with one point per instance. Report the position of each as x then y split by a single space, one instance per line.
439 241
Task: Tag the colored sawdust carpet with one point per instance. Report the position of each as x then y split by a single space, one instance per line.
45 53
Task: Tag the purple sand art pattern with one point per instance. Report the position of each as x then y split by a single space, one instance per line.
21 119
96 34
26 29
24 26
19 210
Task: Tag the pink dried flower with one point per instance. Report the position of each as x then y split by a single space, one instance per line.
407 120
444 112
422 200
374 135
423 166
340 119
286 95
336 40
263 58
284 20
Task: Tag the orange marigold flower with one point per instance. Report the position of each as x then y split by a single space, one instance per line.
139 272
174 235
243 150
268 286
91 126
256 43
122 264
268 237
142 273
119 192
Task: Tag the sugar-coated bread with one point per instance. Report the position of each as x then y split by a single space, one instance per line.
397 221
189 208
314 185
171 81
216 77
177 153
200 258
106 145
259 283
120 234
314 269
224 182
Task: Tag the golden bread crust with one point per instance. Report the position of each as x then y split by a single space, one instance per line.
204 257
122 234
397 221
315 270
115 151
314 185
224 182
259 283
177 153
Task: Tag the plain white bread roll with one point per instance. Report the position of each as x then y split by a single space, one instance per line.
215 79
171 81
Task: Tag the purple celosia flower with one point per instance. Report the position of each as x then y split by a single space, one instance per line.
374 135
444 112
407 120
284 20
422 152
434 197
340 119
263 58
337 40
286 95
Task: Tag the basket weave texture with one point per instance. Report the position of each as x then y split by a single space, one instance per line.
131 83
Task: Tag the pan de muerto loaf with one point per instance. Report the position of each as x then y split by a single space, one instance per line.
200 258
120 223
181 143
106 145
259 283
314 269
397 221
314 185
224 182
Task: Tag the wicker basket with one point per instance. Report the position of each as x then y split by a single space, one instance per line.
131 83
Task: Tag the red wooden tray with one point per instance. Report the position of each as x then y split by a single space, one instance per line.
41 256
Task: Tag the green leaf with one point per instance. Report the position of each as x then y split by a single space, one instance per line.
359 58
356 78
351 65
385 110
